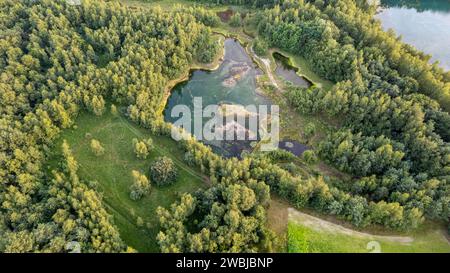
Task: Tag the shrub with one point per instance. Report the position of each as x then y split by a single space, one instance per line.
163 171
310 157
260 47
310 130
114 111
139 222
189 158
97 147
142 147
140 187
236 20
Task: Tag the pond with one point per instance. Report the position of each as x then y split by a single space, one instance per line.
293 146
288 72
424 24
232 85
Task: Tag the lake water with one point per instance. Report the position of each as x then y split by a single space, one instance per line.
231 86
288 72
423 24
293 146
233 83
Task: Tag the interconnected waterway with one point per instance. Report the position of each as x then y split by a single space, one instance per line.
288 72
232 85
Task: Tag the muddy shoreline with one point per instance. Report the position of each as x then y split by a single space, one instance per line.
208 68
187 75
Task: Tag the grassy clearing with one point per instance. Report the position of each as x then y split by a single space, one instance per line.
112 173
306 239
304 233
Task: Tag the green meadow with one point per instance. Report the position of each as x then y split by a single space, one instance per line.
305 239
111 173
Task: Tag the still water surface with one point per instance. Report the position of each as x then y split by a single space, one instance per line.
423 24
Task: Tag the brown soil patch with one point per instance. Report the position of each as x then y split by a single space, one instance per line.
225 15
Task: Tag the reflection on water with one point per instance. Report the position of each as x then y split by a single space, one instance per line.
288 72
231 86
234 82
419 5
292 146
424 24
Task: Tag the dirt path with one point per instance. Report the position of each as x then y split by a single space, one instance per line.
305 219
266 63
322 225
163 151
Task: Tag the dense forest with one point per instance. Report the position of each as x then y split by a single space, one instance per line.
58 59
387 96
55 60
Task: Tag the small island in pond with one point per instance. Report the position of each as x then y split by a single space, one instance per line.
237 71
